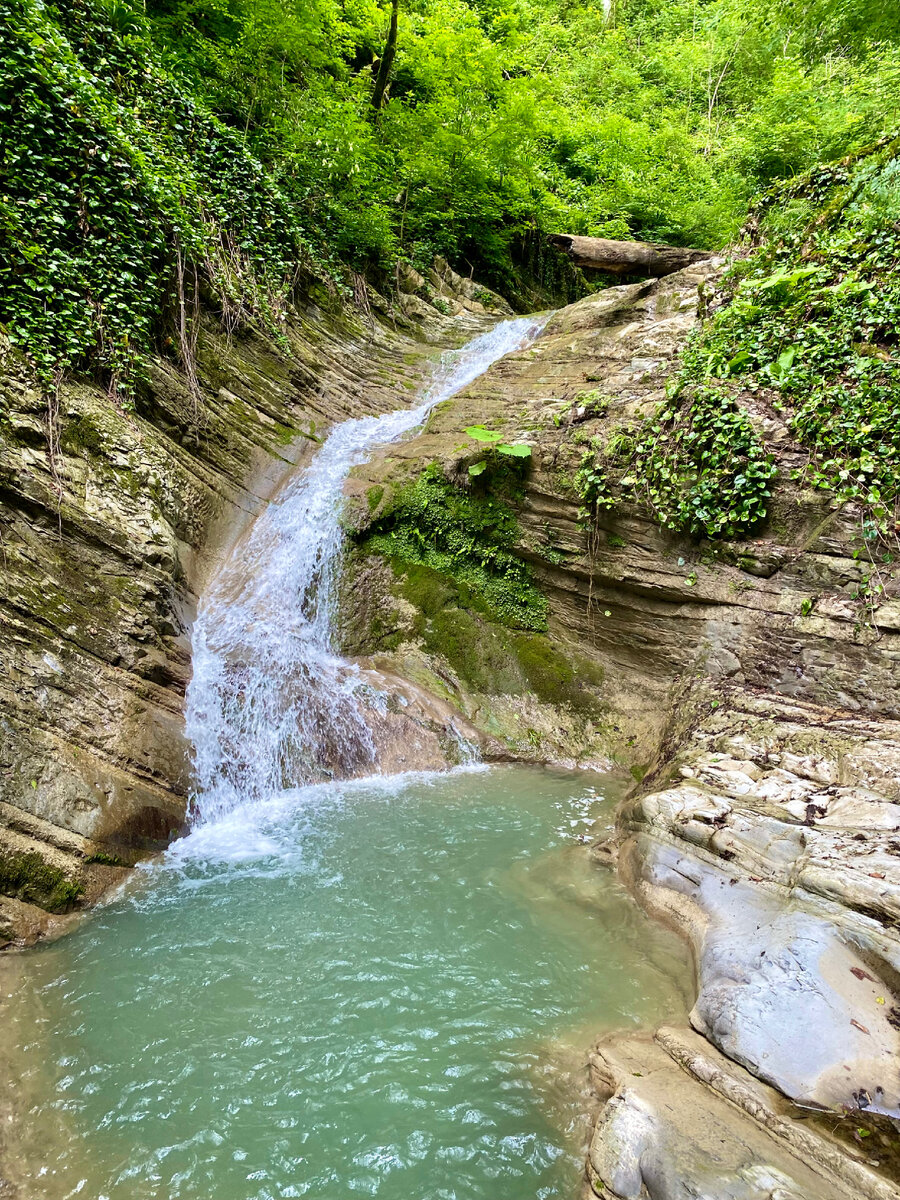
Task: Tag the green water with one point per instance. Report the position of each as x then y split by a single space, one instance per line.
357 990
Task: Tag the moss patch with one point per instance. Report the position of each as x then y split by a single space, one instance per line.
479 653
28 877
557 678
81 435
488 657
467 536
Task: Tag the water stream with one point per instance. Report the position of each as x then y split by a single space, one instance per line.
384 986
270 704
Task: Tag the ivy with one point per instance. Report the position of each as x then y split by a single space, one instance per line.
810 328
120 197
702 467
813 327
697 463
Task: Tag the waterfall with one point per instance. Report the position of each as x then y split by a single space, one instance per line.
271 705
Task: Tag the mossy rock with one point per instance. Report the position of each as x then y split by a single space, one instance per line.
467 535
29 878
81 435
488 657
556 677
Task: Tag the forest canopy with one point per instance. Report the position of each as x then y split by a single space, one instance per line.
149 150
655 119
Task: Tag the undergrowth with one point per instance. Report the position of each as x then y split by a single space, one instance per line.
810 332
468 535
814 325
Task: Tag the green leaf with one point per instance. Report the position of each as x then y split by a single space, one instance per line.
477 468
516 450
480 434
788 279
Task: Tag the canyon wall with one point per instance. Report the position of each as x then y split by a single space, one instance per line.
751 688
111 520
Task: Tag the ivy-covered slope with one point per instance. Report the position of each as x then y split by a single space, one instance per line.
123 201
794 377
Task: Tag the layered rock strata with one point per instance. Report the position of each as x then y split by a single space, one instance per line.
109 523
752 689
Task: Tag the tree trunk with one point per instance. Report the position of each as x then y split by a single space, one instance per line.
383 78
626 258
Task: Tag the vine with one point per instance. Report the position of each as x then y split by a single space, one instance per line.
697 463
112 181
813 328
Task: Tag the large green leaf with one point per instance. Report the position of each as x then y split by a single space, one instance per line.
480 434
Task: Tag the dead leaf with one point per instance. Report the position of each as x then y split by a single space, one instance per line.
861 1028
861 974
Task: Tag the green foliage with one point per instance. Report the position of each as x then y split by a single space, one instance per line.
812 329
702 467
27 877
698 463
153 155
114 180
467 536
592 485
478 433
814 320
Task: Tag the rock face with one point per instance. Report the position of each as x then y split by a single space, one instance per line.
775 847
649 609
109 523
752 688
678 1120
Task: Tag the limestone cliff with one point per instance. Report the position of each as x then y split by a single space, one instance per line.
108 524
752 689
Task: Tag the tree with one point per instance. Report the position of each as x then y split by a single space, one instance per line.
382 79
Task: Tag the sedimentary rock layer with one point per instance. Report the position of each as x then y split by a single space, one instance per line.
109 523
752 687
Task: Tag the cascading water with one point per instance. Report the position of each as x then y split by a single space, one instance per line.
270 704
372 987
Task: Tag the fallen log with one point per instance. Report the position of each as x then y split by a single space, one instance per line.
626 258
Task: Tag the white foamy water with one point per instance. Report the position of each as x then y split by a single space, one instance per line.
271 706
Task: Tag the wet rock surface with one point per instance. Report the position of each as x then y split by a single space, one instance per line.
752 688
679 1119
109 523
775 848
